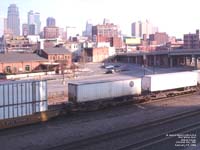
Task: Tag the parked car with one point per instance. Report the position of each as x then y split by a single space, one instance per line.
110 67
117 66
110 71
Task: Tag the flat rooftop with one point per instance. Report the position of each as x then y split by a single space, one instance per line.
103 80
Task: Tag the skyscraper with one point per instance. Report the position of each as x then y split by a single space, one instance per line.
51 22
34 18
136 29
13 21
31 29
37 23
25 29
88 29
31 17
144 29
140 28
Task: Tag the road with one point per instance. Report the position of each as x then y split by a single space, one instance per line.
75 127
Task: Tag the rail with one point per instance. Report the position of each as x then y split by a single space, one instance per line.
160 138
128 131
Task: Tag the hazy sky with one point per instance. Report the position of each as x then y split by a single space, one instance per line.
175 17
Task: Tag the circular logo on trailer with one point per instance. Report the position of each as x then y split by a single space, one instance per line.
131 83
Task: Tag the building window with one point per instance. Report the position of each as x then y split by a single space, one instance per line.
8 69
15 70
27 68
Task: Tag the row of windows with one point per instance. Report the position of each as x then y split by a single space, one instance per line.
9 69
59 57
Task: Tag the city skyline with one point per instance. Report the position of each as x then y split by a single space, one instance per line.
174 17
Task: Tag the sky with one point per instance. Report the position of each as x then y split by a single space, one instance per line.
176 17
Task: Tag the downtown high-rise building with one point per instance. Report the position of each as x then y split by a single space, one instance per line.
143 28
34 19
13 20
51 22
88 29
135 29
25 29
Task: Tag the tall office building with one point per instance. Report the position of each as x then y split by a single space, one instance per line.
25 29
34 18
37 23
31 17
140 28
136 29
144 29
13 20
51 22
88 29
31 29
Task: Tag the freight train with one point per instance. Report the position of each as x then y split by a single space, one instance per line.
155 86
25 102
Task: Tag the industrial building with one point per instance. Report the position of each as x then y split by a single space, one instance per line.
107 33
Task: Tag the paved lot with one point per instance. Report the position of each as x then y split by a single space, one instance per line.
78 126
95 71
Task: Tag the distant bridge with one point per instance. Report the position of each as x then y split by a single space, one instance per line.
167 58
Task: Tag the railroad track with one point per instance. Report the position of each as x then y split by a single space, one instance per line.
160 138
131 130
169 98
98 105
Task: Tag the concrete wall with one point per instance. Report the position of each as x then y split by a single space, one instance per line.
100 54
27 75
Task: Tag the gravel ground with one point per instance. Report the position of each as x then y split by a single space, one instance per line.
78 126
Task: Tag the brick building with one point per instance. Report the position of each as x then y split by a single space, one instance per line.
107 33
18 43
191 41
159 38
51 32
14 63
98 54
57 57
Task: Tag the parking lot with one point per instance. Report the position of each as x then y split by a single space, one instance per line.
96 71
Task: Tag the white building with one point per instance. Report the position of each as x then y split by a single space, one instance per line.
34 19
140 28
135 27
33 39
71 32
